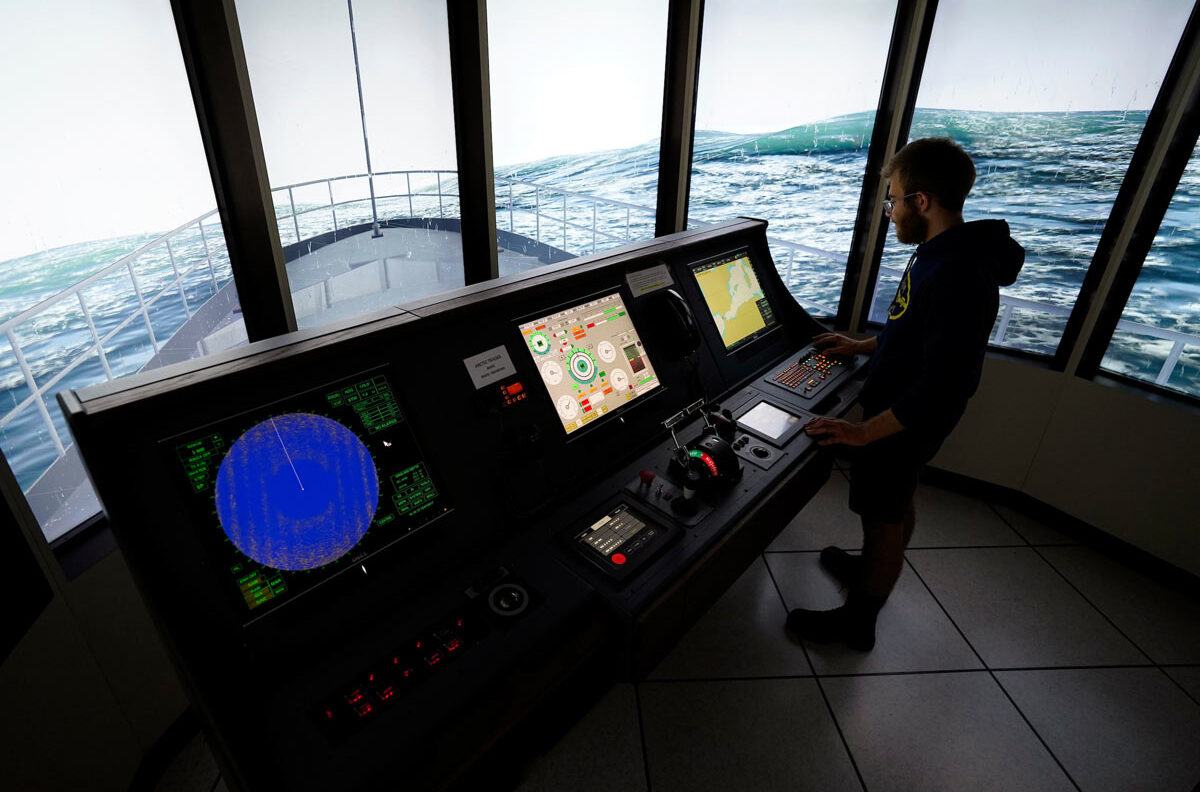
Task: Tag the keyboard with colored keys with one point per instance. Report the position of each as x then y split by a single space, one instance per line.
809 375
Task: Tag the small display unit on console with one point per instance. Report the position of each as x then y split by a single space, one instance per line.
590 359
623 540
735 298
302 490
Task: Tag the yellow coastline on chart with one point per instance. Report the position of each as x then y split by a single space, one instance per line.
732 292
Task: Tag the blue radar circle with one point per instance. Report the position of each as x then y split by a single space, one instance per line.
297 491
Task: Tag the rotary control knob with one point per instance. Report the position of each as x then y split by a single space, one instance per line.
508 599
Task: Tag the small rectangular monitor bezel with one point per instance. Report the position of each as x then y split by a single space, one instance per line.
740 347
529 365
781 441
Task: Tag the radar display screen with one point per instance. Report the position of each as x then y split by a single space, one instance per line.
293 494
735 298
590 359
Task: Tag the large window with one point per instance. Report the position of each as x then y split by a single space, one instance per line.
785 108
1158 337
317 140
112 252
1050 100
576 94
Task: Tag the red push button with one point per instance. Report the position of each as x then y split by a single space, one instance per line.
618 558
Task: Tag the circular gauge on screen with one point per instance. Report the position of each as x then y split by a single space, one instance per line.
619 379
606 351
583 366
539 343
568 408
552 372
296 491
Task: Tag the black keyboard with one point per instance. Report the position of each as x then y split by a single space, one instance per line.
809 374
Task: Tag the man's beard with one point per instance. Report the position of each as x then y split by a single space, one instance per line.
913 229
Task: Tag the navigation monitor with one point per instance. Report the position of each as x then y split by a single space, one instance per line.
590 358
735 298
302 490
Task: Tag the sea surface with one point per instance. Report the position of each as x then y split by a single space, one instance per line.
1052 176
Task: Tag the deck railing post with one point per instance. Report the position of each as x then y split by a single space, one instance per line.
332 207
626 223
593 226
178 280
295 218
37 393
537 214
87 315
1168 366
1005 316
564 221
212 273
439 184
137 289
408 184
510 207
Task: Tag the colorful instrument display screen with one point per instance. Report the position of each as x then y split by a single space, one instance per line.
304 489
590 359
735 298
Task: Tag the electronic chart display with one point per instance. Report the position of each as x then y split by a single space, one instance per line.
735 298
295 493
590 359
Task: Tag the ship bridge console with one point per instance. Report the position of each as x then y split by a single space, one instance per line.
376 554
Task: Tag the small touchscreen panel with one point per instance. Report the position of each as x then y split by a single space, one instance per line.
590 358
291 495
735 298
769 421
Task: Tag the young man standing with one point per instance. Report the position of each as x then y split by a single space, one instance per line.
924 366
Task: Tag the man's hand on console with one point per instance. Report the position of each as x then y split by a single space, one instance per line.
833 431
838 344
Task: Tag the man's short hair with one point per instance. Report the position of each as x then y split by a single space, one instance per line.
937 166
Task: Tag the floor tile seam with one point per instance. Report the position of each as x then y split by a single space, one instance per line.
1097 608
764 678
993 676
820 688
1036 733
935 547
1179 685
1011 527
637 705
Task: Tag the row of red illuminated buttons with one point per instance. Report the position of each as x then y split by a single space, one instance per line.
400 671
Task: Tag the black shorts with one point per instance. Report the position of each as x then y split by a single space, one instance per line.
883 478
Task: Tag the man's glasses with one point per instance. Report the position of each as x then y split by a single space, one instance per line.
890 203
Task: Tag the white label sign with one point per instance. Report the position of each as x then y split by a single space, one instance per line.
648 280
489 367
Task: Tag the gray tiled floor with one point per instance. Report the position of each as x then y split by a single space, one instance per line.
937 732
1018 612
1188 678
1163 623
1009 659
771 734
738 637
1114 729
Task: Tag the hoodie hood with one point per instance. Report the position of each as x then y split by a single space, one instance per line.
983 243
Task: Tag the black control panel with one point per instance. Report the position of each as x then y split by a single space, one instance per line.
400 541
812 375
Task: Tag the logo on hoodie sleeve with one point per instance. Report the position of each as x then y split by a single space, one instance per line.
903 294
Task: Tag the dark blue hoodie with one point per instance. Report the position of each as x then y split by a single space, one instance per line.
930 353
